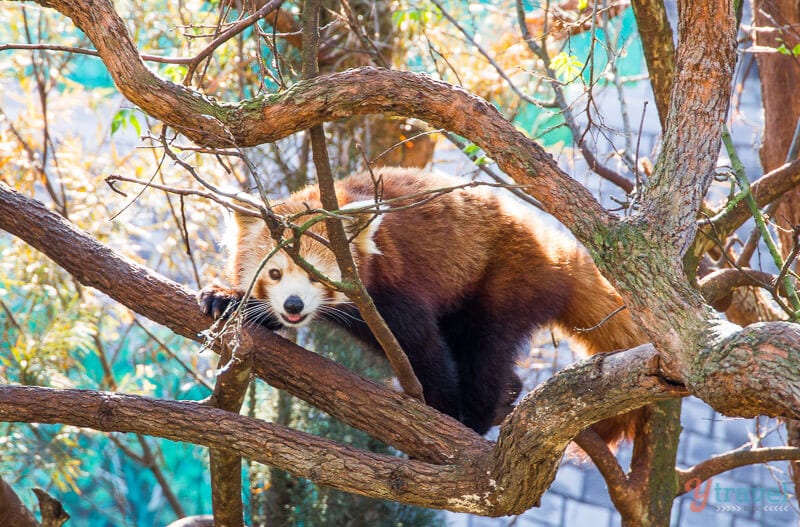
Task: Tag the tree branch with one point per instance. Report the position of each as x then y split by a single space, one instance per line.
751 371
699 98
416 429
765 190
728 461
233 30
91 52
721 283
233 378
659 51
628 378
561 101
321 460
506 480
332 97
335 228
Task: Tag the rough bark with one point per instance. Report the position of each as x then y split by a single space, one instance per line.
233 378
523 469
659 50
12 510
775 24
507 480
321 460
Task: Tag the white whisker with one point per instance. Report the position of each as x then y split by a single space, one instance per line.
257 311
338 314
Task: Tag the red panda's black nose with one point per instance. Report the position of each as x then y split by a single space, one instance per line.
293 305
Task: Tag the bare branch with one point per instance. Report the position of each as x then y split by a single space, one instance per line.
500 71
525 459
659 50
730 460
92 52
321 460
605 461
233 378
229 33
719 284
561 101
626 377
765 190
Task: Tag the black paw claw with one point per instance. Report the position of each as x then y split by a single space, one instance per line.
217 301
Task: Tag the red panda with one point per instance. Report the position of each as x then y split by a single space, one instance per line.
460 280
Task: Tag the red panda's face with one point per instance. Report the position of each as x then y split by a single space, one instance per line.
294 297
282 288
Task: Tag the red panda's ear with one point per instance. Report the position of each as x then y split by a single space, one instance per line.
246 219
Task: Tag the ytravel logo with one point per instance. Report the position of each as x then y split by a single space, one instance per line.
744 498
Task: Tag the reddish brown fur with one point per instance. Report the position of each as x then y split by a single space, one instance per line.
462 276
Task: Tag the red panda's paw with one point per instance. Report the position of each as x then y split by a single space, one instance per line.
217 300
511 395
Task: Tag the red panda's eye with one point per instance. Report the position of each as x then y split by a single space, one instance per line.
275 274
312 279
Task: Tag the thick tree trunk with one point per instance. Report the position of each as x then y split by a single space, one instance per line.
776 22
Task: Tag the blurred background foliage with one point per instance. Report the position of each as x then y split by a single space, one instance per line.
64 129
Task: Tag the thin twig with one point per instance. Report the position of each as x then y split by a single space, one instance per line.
226 35
92 52
213 196
591 160
336 232
500 71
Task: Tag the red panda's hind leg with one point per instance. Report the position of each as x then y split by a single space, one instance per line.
485 351
432 360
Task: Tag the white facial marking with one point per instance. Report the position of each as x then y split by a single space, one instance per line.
295 282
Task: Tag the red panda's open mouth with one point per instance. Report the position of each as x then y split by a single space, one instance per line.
292 318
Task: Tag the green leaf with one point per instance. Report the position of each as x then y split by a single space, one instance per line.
796 50
135 123
398 17
566 66
583 4
471 149
783 50
117 121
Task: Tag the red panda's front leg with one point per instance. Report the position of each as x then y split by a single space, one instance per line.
215 300
220 301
